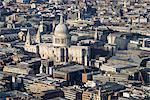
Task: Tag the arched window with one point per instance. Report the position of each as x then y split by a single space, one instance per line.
76 59
55 40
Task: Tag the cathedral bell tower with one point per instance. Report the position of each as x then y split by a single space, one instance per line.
38 35
28 39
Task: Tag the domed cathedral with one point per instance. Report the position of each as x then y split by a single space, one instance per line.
60 50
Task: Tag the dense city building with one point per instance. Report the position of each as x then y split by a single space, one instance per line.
74 49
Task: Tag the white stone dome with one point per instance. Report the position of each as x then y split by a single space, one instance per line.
61 29
61 35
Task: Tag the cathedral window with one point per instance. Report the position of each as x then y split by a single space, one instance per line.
76 59
55 40
63 41
58 40
83 52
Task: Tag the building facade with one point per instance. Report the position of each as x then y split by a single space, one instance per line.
60 50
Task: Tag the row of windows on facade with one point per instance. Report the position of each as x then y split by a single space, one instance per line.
33 50
63 57
57 40
84 52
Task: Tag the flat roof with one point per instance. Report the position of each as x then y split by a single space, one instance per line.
71 68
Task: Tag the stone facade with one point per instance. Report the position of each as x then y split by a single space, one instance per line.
61 49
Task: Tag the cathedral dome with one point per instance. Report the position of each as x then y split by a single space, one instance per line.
61 34
61 29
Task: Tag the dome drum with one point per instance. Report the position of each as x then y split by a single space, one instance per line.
61 41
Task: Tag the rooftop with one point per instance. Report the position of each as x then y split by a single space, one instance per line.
71 68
